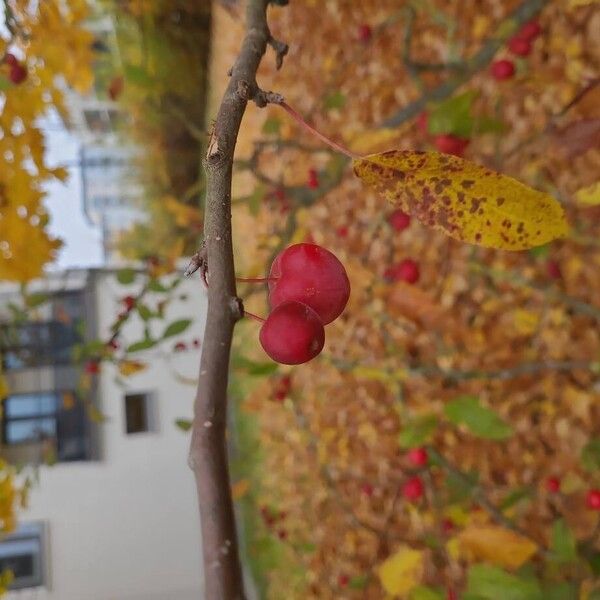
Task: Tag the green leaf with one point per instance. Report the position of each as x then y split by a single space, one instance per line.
154 285
144 312
34 300
418 431
255 199
4 83
453 115
358 582
590 455
176 327
138 76
141 345
483 125
594 594
514 497
426 593
271 126
560 590
126 276
492 583
254 368
183 424
564 544
540 252
334 100
480 421
461 488
594 561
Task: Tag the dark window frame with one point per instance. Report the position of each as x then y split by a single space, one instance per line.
35 533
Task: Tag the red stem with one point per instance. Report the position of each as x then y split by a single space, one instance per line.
253 316
299 119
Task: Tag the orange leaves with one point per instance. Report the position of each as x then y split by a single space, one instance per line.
466 201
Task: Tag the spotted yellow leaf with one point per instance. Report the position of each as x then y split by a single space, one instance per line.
496 545
401 571
590 195
467 201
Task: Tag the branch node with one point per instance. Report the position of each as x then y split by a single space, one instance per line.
237 308
244 90
199 262
262 98
281 49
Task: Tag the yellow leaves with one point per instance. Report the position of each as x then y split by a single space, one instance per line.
466 201
578 3
589 196
496 545
131 367
525 321
402 571
184 215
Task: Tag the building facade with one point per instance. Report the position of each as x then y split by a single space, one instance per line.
115 518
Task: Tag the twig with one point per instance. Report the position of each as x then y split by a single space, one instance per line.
524 12
208 451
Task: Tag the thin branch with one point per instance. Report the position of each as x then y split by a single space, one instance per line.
523 13
208 450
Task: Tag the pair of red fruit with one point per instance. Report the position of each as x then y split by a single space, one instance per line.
308 288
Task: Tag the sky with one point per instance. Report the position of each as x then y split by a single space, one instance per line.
82 242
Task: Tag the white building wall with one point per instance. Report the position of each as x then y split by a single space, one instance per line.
126 527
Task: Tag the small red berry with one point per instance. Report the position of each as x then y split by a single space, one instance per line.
196 343
312 275
179 347
413 489
367 489
530 30
342 231
553 484
283 388
423 121
343 580
115 88
113 344
503 69
313 179
365 33
418 457
553 270
592 499
406 270
18 73
292 334
129 302
451 144
399 220
92 367
279 194
451 594
520 46
447 526
10 59
282 534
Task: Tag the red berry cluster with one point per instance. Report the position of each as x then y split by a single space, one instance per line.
308 288
17 71
413 488
519 45
406 270
273 521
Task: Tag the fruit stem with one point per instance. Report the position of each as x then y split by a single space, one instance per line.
299 119
253 316
256 279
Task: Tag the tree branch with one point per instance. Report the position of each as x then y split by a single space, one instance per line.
523 13
208 450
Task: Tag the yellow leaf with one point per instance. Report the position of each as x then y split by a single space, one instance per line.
401 571
590 195
467 201
576 3
496 545
68 400
367 141
240 489
3 385
525 321
131 367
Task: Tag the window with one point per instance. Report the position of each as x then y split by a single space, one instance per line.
138 417
40 417
37 344
23 554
